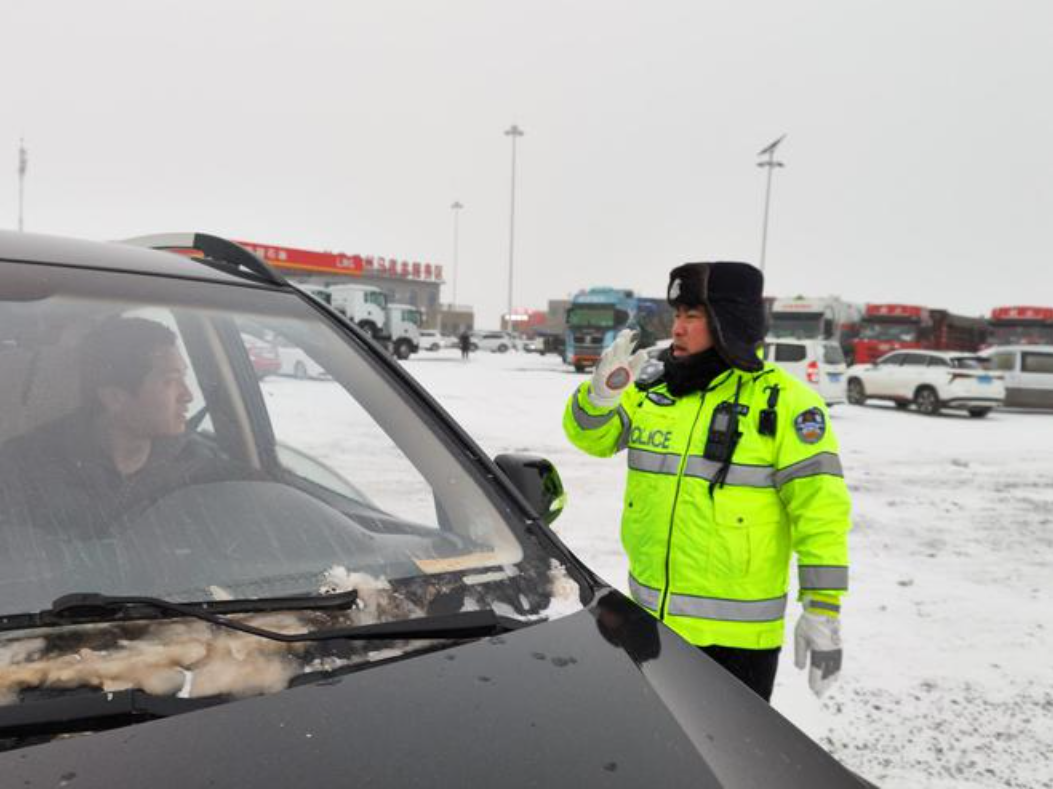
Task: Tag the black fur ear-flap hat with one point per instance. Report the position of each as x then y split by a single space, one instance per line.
733 297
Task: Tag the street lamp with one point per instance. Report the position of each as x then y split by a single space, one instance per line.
514 132
771 164
456 207
23 161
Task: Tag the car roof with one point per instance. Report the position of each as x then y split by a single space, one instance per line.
941 354
800 341
104 255
997 348
352 286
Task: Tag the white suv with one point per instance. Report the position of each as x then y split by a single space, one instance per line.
931 380
819 363
430 340
495 341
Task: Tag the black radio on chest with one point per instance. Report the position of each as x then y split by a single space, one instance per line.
723 433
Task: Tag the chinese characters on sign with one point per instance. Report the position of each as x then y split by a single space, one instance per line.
339 263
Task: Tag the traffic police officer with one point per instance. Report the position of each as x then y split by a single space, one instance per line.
732 465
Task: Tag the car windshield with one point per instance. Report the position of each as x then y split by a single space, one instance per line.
889 330
799 326
600 317
149 448
1022 334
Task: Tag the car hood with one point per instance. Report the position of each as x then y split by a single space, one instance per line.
604 697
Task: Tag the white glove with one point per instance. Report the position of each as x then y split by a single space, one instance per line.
819 635
615 371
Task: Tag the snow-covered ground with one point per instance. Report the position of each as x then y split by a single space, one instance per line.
947 679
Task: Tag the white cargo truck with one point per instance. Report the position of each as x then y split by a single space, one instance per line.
403 326
827 318
365 305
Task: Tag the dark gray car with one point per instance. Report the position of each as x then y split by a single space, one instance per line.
209 579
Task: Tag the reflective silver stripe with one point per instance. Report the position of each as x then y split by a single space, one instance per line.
743 476
655 462
728 610
587 421
822 577
644 595
823 463
627 425
823 605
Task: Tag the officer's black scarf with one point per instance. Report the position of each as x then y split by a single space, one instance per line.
687 374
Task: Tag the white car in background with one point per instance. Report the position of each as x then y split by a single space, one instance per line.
930 380
495 341
819 363
296 363
431 340
1028 371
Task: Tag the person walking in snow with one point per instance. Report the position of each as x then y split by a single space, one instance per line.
465 342
732 466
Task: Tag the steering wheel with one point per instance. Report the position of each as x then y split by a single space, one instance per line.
166 478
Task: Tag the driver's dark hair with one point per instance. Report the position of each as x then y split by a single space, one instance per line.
119 352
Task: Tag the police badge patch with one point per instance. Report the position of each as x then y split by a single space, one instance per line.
674 290
810 426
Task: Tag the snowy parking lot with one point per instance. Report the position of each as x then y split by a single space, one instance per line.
948 636
947 679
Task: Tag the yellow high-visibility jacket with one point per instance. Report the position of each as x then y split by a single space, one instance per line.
712 560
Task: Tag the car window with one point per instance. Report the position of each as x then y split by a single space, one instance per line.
971 363
914 360
832 353
1032 362
893 359
331 425
1004 361
785 352
252 482
938 361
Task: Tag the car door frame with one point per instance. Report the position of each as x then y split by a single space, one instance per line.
879 379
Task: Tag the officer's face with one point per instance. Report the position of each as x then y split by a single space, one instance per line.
159 406
691 331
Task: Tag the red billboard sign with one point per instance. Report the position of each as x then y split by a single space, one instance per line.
343 264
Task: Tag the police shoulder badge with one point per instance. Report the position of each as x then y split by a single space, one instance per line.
810 426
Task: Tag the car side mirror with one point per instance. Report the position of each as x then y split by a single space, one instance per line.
538 482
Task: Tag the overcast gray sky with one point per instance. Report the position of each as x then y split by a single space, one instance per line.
918 156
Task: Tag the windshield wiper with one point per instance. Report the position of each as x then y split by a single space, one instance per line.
85 608
74 609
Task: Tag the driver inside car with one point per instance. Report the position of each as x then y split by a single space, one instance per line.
127 442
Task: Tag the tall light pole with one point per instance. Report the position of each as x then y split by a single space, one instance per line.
771 164
456 207
514 132
23 162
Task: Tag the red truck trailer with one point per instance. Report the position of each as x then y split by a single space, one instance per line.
893 327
